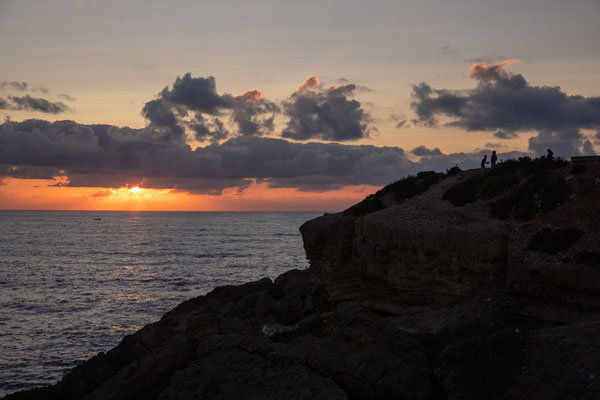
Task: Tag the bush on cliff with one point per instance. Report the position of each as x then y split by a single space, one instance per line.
540 193
400 190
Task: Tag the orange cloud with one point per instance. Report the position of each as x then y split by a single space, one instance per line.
102 193
488 73
251 96
309 84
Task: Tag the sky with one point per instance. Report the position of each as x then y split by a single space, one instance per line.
280 105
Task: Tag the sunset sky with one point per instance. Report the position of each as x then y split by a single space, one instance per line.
277 105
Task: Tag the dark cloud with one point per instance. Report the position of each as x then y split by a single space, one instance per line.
424 151
328 114
194 103
207 128
564 143
248 109
161 115
505 102
66 97
28 172
197 94
505 135
494 145
400 122
15 85
108 156
33 104
588 149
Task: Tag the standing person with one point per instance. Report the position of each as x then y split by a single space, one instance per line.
494 159
550 155
484 161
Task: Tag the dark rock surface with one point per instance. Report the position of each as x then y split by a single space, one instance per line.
408 297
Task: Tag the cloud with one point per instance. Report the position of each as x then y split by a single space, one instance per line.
66 97
109 156
448 51
402 124
329 114
194 104
506 103
41 89
491 73
33 104
27 172
424 151
505 135
162 116
311 83
564 143
101 193
20 86
494 145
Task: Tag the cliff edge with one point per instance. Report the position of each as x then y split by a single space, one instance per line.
479 284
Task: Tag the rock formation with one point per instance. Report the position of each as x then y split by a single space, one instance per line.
481 284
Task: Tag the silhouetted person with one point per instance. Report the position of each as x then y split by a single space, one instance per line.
494 159
484 161
550 155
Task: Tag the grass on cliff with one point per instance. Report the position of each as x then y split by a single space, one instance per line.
553 241
541 191
403 189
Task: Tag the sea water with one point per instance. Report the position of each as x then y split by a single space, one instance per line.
74 283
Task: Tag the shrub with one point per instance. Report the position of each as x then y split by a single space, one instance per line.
367 206
542 192
553 241
403 189
464 192
553 193
453 171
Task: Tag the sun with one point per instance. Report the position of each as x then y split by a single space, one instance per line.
135 189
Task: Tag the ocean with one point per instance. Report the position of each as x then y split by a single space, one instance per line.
74 283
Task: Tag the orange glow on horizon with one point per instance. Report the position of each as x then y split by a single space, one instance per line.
36 194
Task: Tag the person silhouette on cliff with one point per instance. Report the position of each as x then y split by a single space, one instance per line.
550 155
484 161
494 159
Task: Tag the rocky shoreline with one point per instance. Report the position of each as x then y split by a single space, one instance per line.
466 285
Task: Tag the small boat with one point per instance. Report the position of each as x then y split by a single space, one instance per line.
97 219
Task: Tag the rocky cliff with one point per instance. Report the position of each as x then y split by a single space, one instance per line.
480 284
